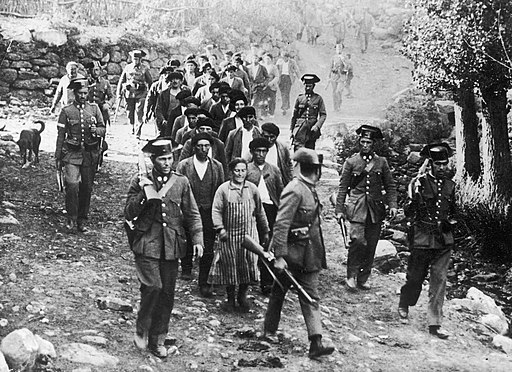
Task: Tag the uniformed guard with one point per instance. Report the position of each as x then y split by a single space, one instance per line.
162 207
134 84
363 178
100 90
309 115
297 243
430 209
79 130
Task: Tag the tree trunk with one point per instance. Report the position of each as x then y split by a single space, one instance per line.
466 135
497 169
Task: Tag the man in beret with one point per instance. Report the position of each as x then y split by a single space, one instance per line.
214 90
100 90
161 207
80 129
205 176
364 176
309 115
234 81
134 83
181 121
298 244
191 115
154 91
270 185
237 100
64 93
237 143
278 153
221 109
431 211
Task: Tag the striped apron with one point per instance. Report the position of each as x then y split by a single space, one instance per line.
233 264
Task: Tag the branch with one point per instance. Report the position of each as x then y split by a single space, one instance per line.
509 67
163 9
501 39
17 15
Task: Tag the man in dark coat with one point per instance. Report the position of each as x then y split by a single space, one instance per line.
154 91
169 100
237 100
363 178
161 207
297 243
278 153
79 131
309 115
100 90
237 143
431 209
221 109
205 176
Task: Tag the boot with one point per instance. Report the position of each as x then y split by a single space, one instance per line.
141 340
243 302
316 349
157 346
435 330
351 284
80 226
229 305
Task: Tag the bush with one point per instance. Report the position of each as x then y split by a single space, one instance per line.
487 218
346 145
415 119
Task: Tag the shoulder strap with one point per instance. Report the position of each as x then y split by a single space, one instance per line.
167 186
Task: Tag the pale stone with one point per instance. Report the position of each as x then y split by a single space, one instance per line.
3 364
20 349
113 303
52 37
46 348
98 340
87 354
504 343
353 338
495 322
384 248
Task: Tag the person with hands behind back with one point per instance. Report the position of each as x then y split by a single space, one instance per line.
161 206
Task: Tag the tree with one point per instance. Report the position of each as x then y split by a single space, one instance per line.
460 45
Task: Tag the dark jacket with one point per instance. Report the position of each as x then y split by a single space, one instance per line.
234 142
364 189
226 126
272 177
307 112
284 162
160 224
218 115
299 208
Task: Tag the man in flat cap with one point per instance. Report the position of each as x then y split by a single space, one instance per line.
100 90
430 210
237 143
270 185
161 207
309 115
278 153
205 176
80 129
298 244
134 83
364 176
64 93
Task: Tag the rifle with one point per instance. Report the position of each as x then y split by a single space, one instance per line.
143 172
251 245
60 180
344 233
118 104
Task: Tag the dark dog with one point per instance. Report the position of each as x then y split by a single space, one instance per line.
29 141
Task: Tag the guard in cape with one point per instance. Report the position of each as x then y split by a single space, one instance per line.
309 115
431 211
80 129
134 85
161 207
361 202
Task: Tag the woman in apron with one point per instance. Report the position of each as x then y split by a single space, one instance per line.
236 212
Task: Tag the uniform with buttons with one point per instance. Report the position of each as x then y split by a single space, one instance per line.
100 92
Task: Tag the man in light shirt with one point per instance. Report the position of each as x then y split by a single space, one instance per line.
237 144
278 153
64 95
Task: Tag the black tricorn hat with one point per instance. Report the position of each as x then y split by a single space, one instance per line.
161 146
78 83
370 132
437 151
310 79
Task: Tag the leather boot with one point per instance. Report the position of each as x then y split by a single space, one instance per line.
157 346
351 284
317 349
229 305
141 340
242 300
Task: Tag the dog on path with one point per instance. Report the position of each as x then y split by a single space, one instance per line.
29 142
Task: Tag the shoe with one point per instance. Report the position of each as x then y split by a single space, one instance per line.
364 286
270 337
438 332
141 341
229 305
206 290
317 349
80 226
70 225
403 312
187 275
351 284
157 346
242 299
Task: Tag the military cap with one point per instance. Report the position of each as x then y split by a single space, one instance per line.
310 79
192 111
202 136
137 53
246 111
191 100
183 94
439 152
224 89
174 75
308 156
214 86
161 146
205 121
370 132
78 83
258 143
231 68
93 64
271 128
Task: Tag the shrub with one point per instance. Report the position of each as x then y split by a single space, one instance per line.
415 119
487 218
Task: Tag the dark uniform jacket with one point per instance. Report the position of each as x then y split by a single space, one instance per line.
100 92
271 176
160 224
297 233
364 189
309 110
431 207
135 81
75 142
